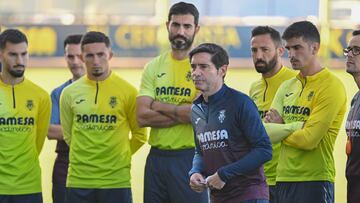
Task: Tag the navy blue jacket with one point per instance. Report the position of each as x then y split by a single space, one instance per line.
231 140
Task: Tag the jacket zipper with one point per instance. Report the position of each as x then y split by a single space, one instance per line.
13 95
97 91
303 86
266 87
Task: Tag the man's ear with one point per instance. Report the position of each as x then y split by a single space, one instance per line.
197 28
167 25
315 48
82 57
223 70
111 54
280 51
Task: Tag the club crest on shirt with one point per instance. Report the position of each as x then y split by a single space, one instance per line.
29 104
188 76
221 116
113 102
311 95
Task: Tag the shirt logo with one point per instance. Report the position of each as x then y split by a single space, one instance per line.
29 104
160 75
188 76
221 116
80 101
113 102
288 94
311 95
197 121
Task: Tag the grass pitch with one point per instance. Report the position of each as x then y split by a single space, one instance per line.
239 79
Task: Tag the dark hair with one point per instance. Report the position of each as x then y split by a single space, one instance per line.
72 39
183 8
356 32
95 37
304 29
13 36
274 34
219 56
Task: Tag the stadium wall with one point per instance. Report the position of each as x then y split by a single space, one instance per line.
134 45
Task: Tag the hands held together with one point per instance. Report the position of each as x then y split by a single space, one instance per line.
198 183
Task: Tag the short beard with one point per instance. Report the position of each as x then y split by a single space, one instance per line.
352 71
269 66
16 73
184 44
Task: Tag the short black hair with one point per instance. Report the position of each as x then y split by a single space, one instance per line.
72 39
95 37
304 29
219 56
356 32
182 8
13 36
274 34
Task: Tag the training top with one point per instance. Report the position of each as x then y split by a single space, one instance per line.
231 140
168 80
62 149
353 132
24 122
96 117
320 102
262 92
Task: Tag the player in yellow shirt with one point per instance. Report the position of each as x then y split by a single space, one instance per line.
97 112
266 51
164 103
306 169
24 122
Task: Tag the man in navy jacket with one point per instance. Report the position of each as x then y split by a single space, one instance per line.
231 142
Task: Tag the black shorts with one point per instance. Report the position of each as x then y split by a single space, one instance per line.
83 195
353 189
58 193
305 192
167 179
26 198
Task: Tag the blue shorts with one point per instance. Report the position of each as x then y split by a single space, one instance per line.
58 193
113 195
167 179
26 198
306 192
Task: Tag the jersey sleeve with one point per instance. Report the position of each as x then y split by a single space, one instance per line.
147 82
138 135
277 132
330 104
55 112
66 115
198 161
43 121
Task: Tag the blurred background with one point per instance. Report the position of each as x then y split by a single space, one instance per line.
137 27
137 31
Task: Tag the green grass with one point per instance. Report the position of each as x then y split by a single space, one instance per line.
238 79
